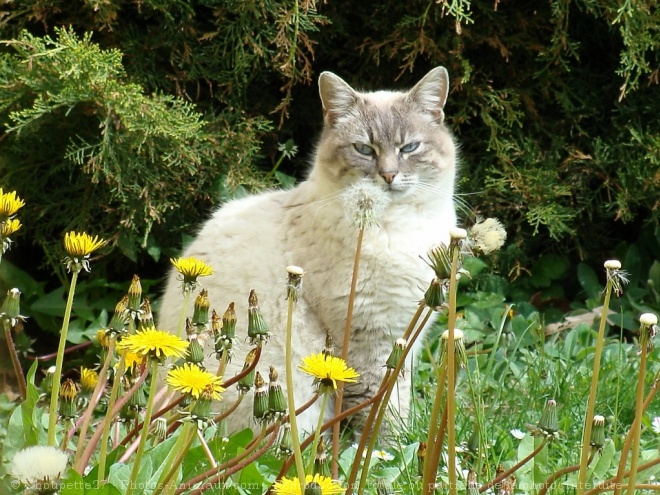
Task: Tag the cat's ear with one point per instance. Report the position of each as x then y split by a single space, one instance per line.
431 92
337 96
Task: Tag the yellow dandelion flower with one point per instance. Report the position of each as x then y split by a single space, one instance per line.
291 486
81 245
10 203
9 227
191 269
154 343
132 359
192 380
328 370
88 379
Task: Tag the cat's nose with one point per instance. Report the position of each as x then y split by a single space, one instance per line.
388 176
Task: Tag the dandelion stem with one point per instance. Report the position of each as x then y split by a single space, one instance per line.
344 352
378 411
107 421
57 376
561 472
176 456
317 434
96 396
431 459
591 403
451 375
16 363
639 412
182 318
109 417
300 466
514 468
153 365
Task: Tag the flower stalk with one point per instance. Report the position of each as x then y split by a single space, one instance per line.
610 266
153 365
295 280
646 331
59 361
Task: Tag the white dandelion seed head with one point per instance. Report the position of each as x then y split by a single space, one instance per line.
517 434
613 264
38 464
655 424
488 236
364 203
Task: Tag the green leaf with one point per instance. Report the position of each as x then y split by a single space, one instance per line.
589 281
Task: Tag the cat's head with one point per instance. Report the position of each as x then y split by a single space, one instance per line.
398 140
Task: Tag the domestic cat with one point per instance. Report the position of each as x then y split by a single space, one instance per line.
389 147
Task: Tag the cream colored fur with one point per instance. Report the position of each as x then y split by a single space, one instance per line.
249 242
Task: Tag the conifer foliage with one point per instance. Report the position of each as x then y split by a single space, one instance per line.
138 113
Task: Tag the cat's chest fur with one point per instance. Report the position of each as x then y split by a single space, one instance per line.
392 274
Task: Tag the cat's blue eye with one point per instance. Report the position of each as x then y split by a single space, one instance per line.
407 148
364 149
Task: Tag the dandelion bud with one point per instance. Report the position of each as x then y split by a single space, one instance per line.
439 259
201 310
11 307
138 400
260 405
396 354
285 447
47 382
459 347
384 487
195 350
135 295
472 485
68 394
257 328
145 316
245 383
434 296
229 323
508 486
160 428
548 423
598 432
294 283
421 455
224 331
313 488
487 236
119 319
321 458
276 399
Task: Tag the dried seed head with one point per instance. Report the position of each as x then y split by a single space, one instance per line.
294 282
